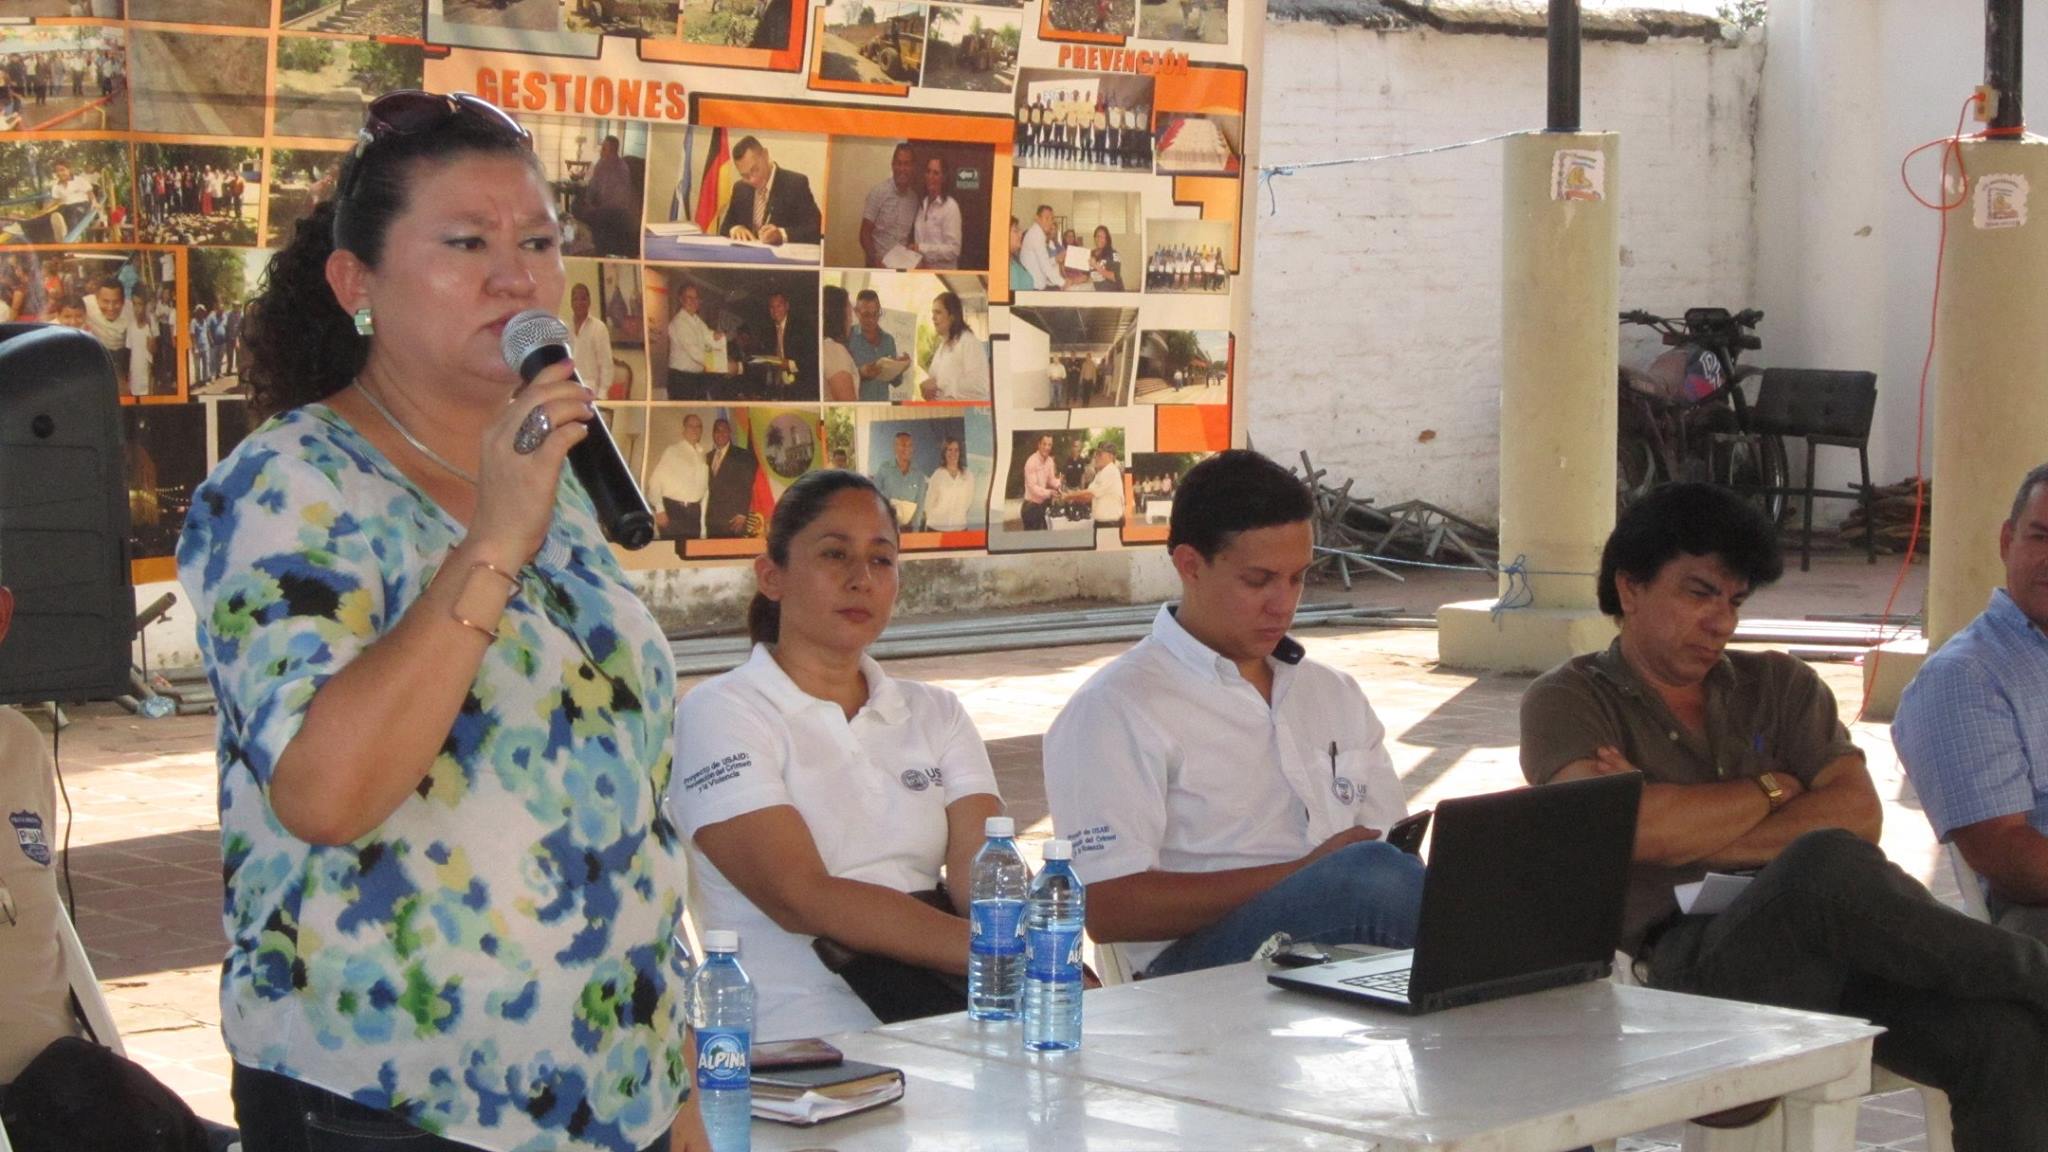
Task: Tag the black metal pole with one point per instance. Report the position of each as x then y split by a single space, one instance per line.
1564 64
2001 59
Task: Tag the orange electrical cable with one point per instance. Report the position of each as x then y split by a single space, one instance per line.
1952 150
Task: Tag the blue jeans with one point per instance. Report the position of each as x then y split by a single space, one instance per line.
279 1114
1364 893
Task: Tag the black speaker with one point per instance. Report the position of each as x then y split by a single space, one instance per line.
63 518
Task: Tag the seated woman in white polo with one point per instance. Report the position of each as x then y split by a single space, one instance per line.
817 792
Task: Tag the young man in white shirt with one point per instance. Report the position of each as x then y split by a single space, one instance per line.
1217 786
106 315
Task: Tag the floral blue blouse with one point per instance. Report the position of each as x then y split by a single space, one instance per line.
493 961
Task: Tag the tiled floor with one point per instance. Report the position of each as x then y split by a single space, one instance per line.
144 850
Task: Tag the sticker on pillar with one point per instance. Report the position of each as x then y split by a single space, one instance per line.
1578 175
2001 201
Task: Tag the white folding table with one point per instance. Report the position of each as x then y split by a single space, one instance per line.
1537 1073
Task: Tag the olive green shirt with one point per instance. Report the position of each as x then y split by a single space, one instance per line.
1766 712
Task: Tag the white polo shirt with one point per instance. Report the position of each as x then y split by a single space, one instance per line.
874 791
1169 759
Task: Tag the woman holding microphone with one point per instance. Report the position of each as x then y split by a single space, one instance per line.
444 715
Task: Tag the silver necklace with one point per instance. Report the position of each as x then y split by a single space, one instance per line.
411 439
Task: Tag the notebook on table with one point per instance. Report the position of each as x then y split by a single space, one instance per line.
806 1096
1524 892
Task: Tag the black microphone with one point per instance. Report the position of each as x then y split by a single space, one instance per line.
535 339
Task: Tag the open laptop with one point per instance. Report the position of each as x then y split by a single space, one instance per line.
1524 892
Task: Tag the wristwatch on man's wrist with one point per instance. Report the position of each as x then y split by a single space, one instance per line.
1773 791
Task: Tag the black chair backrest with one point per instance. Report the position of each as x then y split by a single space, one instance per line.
1815 402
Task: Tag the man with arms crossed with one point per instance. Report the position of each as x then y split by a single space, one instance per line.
1218 787
1972 728
1747 766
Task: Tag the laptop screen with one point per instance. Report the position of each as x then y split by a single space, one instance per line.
1525 881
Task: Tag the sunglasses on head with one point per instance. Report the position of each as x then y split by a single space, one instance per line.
410 112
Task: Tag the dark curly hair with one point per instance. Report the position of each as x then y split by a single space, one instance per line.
302 344
1698 520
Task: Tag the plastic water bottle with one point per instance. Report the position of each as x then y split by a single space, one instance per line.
722 1011
995 953
1052 953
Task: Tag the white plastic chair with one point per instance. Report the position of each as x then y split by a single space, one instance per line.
92 1002
1971 884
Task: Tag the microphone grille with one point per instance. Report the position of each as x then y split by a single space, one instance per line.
531 329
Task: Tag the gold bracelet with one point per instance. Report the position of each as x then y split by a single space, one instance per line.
500 573
454 610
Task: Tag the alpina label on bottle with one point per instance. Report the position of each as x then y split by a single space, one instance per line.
998 927
1053 954
722 1058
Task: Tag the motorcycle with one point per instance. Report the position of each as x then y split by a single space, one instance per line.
1684 417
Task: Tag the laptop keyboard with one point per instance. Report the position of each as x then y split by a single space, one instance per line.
1395 983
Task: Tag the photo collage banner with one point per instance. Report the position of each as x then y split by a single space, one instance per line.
990 254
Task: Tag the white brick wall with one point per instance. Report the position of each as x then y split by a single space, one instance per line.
1376 296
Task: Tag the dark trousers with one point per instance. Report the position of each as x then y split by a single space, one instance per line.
1034 517
1832 926
279 1114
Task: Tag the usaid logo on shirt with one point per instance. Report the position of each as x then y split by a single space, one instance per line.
28 832
919 779
1096 839
1344 790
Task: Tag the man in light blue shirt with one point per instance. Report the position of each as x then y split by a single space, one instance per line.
870 345
1972 729
903 485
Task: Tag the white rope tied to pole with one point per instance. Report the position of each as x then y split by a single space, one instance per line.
1269 172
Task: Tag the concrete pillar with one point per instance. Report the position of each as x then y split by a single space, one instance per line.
1990 403
1561 270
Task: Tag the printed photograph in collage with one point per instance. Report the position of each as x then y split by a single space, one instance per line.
607 327
354 17
212 13
870 42
1083 121
66 192
1190 21
1072 357
934 465
224 280
199 85
299 178
762 24
1179 366
197 193
598 169
324 85
972 49
1078 240
733 196
1064 482
909 204
63 78
731 335
126 300
902 337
